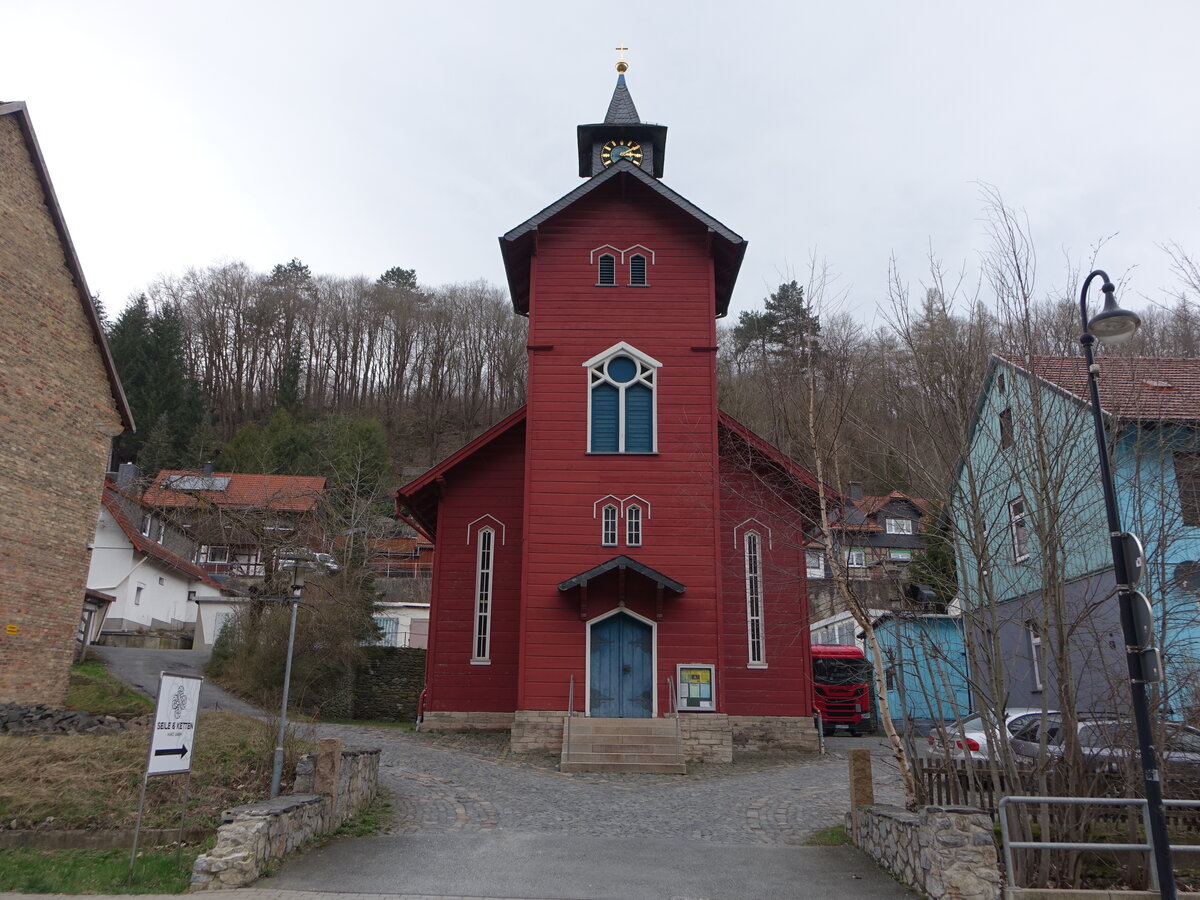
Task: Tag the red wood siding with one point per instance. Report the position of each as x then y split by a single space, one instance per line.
490 483
579 320
784 687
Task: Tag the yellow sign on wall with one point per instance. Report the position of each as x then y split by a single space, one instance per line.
10 629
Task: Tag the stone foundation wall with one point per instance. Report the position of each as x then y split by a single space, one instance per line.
753 733
332 787
468 721
538 731
706 737
940 851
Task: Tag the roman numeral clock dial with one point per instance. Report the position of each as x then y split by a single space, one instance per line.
614 150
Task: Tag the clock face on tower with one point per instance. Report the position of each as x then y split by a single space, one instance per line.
623 149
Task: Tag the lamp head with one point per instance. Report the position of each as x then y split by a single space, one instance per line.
1113 325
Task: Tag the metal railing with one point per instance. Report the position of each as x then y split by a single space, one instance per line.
570 714
1008 845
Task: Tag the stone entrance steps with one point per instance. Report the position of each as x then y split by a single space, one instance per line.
622 745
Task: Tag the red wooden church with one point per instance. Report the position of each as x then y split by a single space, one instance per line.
618 547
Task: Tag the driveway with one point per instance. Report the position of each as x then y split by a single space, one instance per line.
474 821
140 669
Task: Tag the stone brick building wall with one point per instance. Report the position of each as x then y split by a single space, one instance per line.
58 415
388 684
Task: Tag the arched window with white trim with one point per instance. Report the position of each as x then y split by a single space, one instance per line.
485 559
621 402
754 599
606 272
633 525
608 526
637 270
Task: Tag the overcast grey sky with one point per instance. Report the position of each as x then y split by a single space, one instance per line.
363 135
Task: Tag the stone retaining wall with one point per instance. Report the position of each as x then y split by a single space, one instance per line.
538 730
706 737
388 683
467 721
940 851
755 733
332 787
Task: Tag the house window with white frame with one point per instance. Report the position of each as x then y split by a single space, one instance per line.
856 558
633 525
1035 653
621 407
754 599
814 563
899 526
1018 529
214 554
484 563
608 526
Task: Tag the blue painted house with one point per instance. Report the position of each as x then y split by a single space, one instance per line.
1034 568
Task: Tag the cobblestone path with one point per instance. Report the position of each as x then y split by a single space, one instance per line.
470 783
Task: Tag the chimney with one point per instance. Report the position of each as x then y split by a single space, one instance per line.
208 468
127 474
854 490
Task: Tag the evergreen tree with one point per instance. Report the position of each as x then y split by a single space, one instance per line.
148 349
400 278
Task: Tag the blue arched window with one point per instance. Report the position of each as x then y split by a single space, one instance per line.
621 408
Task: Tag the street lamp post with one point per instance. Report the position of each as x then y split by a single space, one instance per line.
299 565
1113 325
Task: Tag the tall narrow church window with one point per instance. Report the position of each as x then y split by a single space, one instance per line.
608 531
621 405
633 526
483 595
754 600
637 270
608 269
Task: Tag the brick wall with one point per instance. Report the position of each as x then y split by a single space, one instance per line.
538 731
468 721
706 737
57 416
751 733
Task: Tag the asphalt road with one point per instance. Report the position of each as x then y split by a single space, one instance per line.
140 669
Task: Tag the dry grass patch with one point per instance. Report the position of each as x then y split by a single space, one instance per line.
92 781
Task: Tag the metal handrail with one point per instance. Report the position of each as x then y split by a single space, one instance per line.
1147 847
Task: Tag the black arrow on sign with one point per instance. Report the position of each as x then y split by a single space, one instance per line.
177 751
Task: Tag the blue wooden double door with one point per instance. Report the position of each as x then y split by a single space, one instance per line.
622 668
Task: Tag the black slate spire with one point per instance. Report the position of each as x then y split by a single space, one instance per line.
621 123
621 110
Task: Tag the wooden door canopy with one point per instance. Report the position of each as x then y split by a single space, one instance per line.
623 564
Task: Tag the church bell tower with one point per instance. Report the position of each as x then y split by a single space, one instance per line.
622 135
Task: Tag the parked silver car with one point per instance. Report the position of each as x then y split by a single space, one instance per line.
968 739
1110 745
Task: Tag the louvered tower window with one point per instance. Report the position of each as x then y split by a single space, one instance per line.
608 270
637 270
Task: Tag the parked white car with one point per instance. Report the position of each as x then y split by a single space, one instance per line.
968 739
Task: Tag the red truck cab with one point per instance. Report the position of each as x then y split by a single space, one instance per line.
841 687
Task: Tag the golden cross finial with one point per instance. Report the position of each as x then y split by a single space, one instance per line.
622 66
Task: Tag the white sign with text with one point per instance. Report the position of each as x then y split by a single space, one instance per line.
174 734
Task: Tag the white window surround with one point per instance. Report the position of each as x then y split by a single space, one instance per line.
899 526
755 635
1018 529
587 653
490 518
814 561
1035 650
647 375
856 558
485 557
608 526
759 526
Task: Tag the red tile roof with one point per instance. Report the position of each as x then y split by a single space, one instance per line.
143 544
289 493
1131 387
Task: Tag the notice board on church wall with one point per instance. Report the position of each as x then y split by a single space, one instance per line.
697 687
